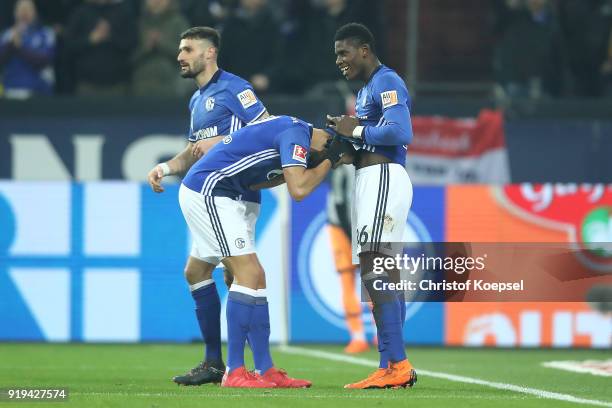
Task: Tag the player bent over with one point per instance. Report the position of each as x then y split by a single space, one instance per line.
262 154
380 133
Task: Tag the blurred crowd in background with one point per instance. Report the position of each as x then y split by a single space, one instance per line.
536 48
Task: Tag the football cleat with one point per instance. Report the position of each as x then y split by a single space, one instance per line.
282 380
359 385
398 375
241 378
356 346
204 373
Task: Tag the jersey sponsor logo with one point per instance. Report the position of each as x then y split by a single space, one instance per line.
389 98
247 98
299 153
210 104
206 133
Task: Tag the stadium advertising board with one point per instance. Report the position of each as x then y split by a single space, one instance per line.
103 262
528 213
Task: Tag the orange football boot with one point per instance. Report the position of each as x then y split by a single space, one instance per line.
400 374
363 384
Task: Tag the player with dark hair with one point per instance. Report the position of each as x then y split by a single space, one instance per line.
263 154
223 104
380 134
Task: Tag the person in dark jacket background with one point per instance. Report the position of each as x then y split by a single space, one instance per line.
100 39
251 44
155 66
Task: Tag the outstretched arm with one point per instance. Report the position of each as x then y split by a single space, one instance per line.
179 164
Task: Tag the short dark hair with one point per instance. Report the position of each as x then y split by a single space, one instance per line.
203 33
356 32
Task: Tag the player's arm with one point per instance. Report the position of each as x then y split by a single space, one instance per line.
396 128
201 147
302 181
179 164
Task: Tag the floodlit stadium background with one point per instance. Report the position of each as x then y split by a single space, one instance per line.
89 254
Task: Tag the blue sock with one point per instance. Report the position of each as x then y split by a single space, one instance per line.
240 308
208 312
383 352
402 303
259 336
390 328
387 315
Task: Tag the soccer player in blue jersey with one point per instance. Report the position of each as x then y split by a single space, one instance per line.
262 154
223 104
380 134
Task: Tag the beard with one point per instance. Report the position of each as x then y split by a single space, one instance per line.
192 72
187 74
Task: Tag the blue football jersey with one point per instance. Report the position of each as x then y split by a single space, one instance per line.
225 104
383 107
252 155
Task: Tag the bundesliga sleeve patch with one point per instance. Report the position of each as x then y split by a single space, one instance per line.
299 153
247 98
389 98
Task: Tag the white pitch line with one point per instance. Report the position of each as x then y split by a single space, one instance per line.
450 377
583 367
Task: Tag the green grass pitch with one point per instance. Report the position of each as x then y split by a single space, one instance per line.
139 376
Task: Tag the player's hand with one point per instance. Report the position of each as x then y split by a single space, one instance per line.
337 149
344 124
200 148
155 177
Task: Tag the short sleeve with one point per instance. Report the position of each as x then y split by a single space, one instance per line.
244 103
294 145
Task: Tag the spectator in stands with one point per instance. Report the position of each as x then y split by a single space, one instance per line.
323 25
251 44
155 67
325 20
209 13
100 39
529 59
26 54
586 29
606 67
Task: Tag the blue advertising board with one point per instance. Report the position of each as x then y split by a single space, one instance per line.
104 262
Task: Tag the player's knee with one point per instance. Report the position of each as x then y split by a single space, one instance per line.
194 274
189 274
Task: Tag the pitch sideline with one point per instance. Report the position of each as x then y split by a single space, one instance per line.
450 377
